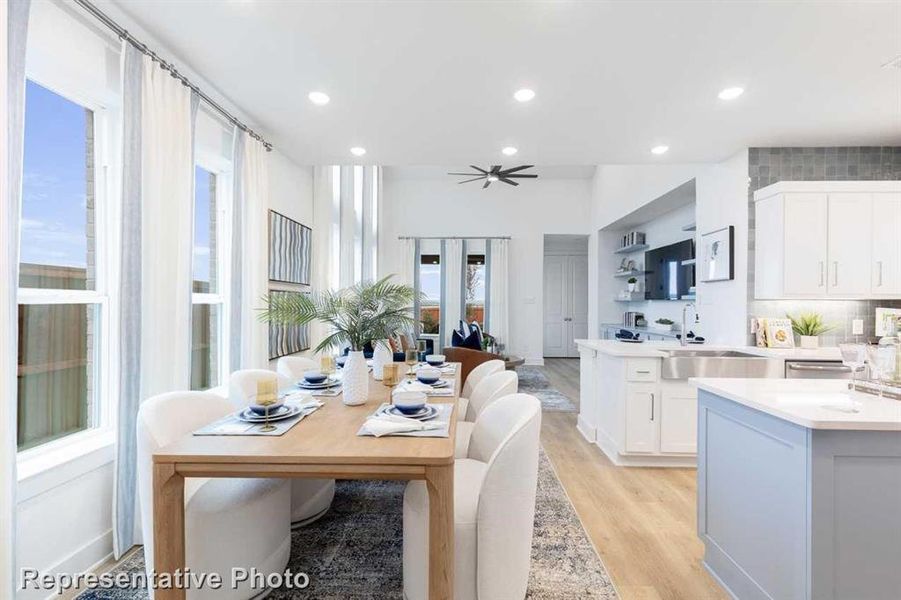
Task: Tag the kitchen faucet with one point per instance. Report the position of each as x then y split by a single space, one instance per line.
683 339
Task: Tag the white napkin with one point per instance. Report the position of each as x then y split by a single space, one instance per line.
379 425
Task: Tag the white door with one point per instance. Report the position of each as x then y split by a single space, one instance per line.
805 245
850 226
886 272
555 306
641 417
679 419
578 301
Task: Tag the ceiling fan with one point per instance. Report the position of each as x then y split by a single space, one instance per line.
496 173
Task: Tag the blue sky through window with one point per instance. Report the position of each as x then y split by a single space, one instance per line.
201 224
54 185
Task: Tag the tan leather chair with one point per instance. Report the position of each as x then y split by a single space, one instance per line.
468 358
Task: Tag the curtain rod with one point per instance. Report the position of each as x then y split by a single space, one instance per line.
123 34
453 237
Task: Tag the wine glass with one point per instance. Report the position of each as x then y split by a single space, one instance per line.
267 395
855 356
391 375
327 365
874 365
411 357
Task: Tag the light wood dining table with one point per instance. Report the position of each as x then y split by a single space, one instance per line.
324 444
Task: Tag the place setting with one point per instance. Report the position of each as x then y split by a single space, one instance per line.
428 380
269 413
438 361
324 382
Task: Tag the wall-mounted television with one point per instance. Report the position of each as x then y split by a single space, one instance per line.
666 278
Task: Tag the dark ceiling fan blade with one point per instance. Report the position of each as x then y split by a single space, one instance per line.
495 168
470 174
487 183
479 169
515 169
479 178
520 176
508 181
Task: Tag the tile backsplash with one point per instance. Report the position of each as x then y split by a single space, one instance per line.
770 165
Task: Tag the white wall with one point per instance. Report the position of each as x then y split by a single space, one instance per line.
427 202
618 190
63 514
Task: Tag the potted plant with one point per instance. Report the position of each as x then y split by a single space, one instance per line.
632 281
366 312
809 326
663 324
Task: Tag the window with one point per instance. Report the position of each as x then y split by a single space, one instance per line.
63 321
475 289
207 297
430 287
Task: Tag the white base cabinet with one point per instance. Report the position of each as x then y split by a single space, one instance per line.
639 419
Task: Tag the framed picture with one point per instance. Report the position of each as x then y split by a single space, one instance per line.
717 255
287 339
290 250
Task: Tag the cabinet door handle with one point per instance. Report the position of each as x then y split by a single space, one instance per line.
835 273
822 275
652 406
644 372
879 266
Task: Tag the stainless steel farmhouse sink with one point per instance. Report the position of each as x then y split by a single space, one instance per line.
685 363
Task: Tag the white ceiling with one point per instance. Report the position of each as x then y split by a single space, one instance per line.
431 82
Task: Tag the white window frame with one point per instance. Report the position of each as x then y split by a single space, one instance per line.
103 407
222 170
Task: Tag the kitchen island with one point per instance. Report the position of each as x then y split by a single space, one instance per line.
798 498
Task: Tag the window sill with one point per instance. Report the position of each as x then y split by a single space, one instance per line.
46 467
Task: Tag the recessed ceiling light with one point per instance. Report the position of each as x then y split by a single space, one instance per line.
357 151
731 93
318 98
659 149
509 151
524 95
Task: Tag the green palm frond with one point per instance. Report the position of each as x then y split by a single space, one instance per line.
810 324
356 315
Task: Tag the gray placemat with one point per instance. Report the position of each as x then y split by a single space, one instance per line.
444 413
232 425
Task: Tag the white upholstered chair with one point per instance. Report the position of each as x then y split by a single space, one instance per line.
293 367
494 508
479 373
228 521
488 390
310 498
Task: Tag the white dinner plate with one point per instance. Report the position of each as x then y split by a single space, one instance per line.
427 412
283 412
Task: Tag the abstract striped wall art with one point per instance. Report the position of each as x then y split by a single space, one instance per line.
290 250
287 339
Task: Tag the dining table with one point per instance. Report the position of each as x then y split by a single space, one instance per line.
325 444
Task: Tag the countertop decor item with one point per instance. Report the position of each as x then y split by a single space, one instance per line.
354 315
809 326
717 255
632 281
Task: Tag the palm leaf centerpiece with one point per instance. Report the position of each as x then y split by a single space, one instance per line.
354 315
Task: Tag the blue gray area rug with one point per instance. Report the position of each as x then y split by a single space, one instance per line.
532 380
345 564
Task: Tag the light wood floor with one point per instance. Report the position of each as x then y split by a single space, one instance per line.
641 520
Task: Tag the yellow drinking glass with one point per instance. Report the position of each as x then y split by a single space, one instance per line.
391 374
412 359
327 364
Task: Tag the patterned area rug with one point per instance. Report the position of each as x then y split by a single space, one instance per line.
532 380
354 551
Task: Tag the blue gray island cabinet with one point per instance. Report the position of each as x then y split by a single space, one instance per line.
798 498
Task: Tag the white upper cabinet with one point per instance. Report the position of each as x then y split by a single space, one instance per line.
828 239
885 276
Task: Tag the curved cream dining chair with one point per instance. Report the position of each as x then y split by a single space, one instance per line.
228 521
310 498
494 508
479 373
489 389
293 367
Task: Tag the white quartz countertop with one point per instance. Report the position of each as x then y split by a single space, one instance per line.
811 403
656 349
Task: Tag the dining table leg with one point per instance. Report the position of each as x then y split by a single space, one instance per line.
168 527
440 484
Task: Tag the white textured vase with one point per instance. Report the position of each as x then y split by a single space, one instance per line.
381 356
355 379
809 342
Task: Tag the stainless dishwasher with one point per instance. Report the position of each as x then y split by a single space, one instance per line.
816 369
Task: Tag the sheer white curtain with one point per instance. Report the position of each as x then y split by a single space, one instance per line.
452 287
156 251
248 335
408 266
14 27
498 292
